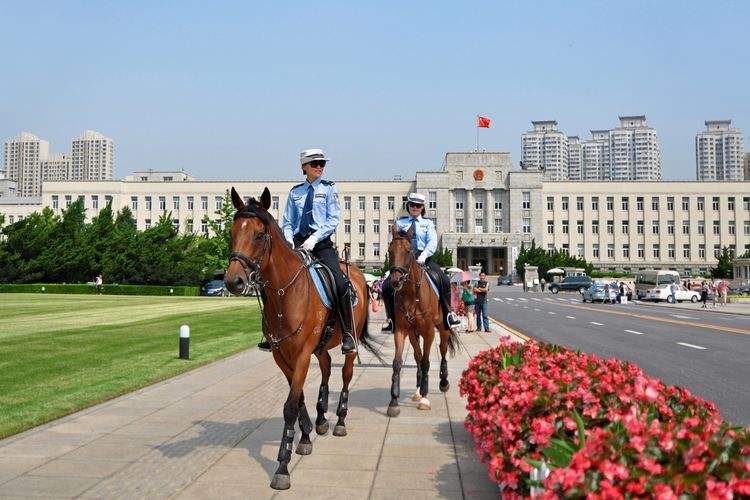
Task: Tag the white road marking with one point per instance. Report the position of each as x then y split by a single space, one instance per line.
562 300
508 298
551 312
496 299
681 316
691 345
525 307
534 298
521 298
595 323
537 309
634 332
549 299
570 317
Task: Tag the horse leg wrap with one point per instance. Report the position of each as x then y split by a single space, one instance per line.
343 407
396 381
424 386
287 439
305 424
419 376
444 369
322 405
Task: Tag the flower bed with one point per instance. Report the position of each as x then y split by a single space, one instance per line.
603 427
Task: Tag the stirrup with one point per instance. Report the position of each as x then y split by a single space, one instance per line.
388 326
353 348
453 319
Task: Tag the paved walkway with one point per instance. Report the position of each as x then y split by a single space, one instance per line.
214 433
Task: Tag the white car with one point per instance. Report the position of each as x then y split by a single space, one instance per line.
663 292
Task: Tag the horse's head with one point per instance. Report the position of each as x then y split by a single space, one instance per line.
250 244
401 255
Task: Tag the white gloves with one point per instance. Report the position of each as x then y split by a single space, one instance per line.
421 259
309 243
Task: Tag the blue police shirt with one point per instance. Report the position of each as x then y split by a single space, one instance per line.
425 236
326 209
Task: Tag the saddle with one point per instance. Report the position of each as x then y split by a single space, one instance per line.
325 283
434 280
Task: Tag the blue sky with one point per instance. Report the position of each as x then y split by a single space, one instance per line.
233 90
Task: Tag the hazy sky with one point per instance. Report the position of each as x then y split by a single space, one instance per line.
233 90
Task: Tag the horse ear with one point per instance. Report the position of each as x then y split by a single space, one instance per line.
394 230
410 232
237 200
265 199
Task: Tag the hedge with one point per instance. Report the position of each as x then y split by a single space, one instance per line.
107 290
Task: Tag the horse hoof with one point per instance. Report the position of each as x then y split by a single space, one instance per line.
339 431
416 396
304 448
321 429
445 387
424 404
393 411
281 482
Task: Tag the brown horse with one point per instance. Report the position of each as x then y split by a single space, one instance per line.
417 314
294 319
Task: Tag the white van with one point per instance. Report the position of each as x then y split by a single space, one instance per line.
652 278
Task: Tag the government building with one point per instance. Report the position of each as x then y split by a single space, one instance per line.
484 210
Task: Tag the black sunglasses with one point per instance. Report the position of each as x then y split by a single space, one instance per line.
317 164
415 205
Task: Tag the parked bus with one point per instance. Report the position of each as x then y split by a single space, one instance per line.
646 280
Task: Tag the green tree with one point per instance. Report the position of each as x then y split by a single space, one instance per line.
443 257
216 247
723 269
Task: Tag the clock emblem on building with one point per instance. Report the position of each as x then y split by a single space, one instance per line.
478 175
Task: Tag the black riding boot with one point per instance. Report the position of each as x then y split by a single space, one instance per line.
345 314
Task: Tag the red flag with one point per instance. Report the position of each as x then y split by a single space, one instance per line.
483 122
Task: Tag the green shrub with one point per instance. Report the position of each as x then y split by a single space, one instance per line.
108 289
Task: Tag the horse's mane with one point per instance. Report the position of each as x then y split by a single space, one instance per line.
253 208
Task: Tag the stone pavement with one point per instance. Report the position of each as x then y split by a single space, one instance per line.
214 432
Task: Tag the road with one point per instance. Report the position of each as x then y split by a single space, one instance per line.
705 352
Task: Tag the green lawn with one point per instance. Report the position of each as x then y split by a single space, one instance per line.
62 353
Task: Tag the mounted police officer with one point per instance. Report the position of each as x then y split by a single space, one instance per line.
311 216
424 243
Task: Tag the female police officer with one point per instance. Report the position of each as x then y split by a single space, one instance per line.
424 244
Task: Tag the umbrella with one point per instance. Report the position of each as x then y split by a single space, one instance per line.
369 278
465 276
456 278
454 270
556 270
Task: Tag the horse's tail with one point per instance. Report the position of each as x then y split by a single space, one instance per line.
364 337
453 342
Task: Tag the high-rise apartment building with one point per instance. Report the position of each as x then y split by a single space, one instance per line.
747 166
595 157
719 152
545 148
23 156
635 153
56 168
92 157
575 157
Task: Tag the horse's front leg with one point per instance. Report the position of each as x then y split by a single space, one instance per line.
321 423
304 447
444 384
398 338
424 388
414 340
343 408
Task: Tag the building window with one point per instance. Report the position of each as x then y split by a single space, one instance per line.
731 227
148 224
625 227
747 227
670 227
176 202
685 203
479 200
564 202
204 202
361 250
107 199
701 227
176 224
376 201
550 249
639 227
579 203
610 203
403 203
56 201
390 225
686 251
550 203
641 251
639 203
460 197
715 203
274 203
746 202
527 201
218 202
478 225
655 227
550 227
595 226
162 202
68 200
625 203
655 203
565 227
730 203
376 250
656 251
498 225
701 203
376 226
134 203
431 199
526 225
566 249
460 225
670 203
361 226
347 226
391 203
361 201
580 250
717 251
595 203
347 202
579 227
685 227
189 225
610 227
191 202
717 227
626 251
670 251
498 202
595 250
610 251
148 202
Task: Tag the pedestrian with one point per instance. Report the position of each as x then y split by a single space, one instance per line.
673 292
723 292
457 306
704 295
713 292
467 296
480 302
607 299
622 291
99 282
542 283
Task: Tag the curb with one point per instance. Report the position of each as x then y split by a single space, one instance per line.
513 333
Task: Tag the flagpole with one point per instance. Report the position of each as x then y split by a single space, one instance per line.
477 125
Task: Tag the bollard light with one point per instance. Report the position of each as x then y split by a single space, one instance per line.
171 290
184 342
42 289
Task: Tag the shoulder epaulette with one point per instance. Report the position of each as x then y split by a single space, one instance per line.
298 185
327 183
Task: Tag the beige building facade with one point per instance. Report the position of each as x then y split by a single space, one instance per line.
483 209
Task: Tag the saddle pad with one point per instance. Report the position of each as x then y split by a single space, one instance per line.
315 270
433 284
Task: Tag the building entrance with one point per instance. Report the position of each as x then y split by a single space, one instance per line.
493 260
